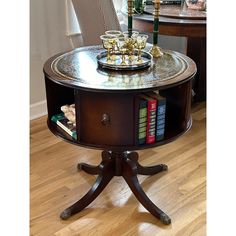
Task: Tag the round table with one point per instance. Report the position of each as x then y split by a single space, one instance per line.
107 113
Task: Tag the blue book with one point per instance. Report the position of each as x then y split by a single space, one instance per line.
161 113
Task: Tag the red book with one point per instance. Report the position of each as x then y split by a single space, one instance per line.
151 118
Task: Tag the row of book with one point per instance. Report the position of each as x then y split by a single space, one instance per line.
151 118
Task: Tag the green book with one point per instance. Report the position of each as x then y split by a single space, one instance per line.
64 124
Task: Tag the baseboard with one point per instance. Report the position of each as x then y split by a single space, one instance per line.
38 109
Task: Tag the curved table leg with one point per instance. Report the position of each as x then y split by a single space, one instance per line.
118 164
151 170
90 169
107 172
130 175
144 170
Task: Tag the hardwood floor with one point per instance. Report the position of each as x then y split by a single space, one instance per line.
55 184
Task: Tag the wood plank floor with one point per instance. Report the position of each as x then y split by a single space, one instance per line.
55 184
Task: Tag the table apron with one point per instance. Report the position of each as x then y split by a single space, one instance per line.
187 30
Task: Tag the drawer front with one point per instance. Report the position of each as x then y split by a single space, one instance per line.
106 119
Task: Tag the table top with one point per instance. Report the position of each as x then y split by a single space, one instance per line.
79 69
191 23
175 11
173 14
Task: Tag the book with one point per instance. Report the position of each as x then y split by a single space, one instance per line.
160 114
142 121
160 118
65 124
160 121
151 118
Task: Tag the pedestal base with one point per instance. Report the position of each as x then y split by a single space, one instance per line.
118 164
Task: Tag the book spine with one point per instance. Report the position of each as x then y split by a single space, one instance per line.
160 122
57 119
142 122
151 121
71 133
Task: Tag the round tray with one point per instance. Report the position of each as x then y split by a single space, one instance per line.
116 62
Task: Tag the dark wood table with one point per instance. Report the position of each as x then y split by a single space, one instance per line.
107 114
190 24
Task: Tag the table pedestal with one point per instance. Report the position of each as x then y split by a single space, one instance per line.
118 164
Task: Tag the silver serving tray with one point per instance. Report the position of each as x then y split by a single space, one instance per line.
116 62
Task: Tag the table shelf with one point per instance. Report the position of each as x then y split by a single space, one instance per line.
121 134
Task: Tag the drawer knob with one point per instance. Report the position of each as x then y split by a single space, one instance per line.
105 119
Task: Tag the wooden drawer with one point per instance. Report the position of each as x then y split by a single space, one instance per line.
105 119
